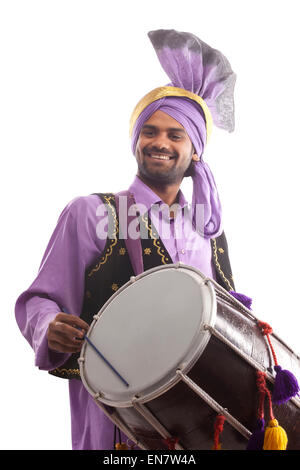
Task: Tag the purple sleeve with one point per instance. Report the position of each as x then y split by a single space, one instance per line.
59 284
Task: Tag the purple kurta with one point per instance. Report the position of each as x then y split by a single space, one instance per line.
74 245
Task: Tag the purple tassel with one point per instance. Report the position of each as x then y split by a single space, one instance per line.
256 440
285 386
242 298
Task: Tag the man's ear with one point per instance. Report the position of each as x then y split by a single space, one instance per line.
195 157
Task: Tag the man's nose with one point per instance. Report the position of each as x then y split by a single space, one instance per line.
161 142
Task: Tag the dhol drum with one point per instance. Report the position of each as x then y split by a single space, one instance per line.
172 349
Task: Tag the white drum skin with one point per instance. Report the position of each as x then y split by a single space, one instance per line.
146 330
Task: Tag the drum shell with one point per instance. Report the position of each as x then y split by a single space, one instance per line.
229 379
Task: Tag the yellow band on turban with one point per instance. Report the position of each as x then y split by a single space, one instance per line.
161 92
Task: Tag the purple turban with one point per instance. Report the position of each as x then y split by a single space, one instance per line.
195 67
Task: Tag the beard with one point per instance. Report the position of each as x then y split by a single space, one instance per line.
163 176
191 170
170 176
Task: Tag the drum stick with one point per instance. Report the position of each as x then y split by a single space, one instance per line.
106 361
102 357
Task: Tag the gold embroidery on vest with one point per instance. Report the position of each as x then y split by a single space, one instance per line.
154 237
218 264
113 240
67 372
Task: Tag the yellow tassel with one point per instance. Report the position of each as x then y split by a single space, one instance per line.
121 446
275 437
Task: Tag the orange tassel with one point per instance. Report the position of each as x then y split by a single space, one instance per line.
121 446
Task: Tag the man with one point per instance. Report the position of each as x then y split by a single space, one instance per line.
80 269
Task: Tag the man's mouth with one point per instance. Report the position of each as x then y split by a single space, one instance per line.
160 156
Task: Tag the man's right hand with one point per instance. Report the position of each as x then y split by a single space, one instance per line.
66 332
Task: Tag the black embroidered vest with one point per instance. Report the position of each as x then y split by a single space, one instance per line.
112 269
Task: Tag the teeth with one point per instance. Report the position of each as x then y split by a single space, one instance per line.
160 157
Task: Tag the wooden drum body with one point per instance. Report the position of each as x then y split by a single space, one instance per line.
170 350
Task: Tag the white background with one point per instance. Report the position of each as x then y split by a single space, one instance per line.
71 73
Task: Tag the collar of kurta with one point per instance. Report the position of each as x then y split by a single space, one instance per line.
144 197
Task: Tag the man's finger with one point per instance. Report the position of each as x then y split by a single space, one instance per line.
67 330
72 320
64 348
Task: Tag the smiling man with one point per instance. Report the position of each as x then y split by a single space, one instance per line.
164 152
81 269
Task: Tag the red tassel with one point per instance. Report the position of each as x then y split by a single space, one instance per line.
219 425
256 440
286 385
171 442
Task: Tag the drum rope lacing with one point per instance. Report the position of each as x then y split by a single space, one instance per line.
215 405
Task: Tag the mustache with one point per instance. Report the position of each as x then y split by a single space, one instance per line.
159 151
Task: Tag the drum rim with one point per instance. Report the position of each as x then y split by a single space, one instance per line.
185 367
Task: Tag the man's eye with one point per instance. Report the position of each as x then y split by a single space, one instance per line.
175 137
148 133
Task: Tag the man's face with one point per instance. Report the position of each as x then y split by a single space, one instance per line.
164 150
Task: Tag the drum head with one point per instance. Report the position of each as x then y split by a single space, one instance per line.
146 330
